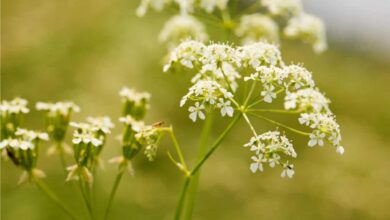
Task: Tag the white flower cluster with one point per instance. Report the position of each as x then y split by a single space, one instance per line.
317 115
157 5
257 27
62 108
15 106
23 151
181 27
214 87
269 148
24 139
133 96
300 25
93 132
308 28
284 8
134 103
210 5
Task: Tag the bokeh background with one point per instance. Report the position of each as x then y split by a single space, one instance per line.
87 50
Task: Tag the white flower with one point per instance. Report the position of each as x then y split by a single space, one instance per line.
257 27
157 5
136 126
268 148
340 150
86 138
316 138
132 95
31 135
306 99
210 5
309 29
268 93
103 124
196 111
181 27
257 165
187 54
15 106
297 77
288 170
226 108
284 8
260 54
62 108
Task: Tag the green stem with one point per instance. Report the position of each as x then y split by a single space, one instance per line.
85 197
280 124
182 198
216 144
113 191
62 156
49 193
274 111
195 179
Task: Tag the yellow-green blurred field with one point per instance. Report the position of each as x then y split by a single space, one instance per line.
86 51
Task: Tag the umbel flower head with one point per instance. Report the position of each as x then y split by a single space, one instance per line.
134 103
269 149
135 134
57 118
307 28
257 27
215 88
181 27
23 151
11 115
283 8
88 141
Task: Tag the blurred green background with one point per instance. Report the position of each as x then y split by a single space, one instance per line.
86 51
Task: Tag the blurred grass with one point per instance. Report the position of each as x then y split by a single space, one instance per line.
87 50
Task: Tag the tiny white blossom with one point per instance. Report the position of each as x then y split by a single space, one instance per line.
268 93
226 108
196 112
257 164
288 170
316 138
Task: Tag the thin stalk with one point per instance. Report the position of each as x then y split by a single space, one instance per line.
183 194
280 124
62 156
86 200
250 124
49 193
215 145
113 191
193 190
274 111
250 93
177 148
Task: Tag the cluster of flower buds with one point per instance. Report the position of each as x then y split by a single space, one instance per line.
269 149
257 27
88 141
136 134
11 115
57 117
23 150
275 15
181 27
135 103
